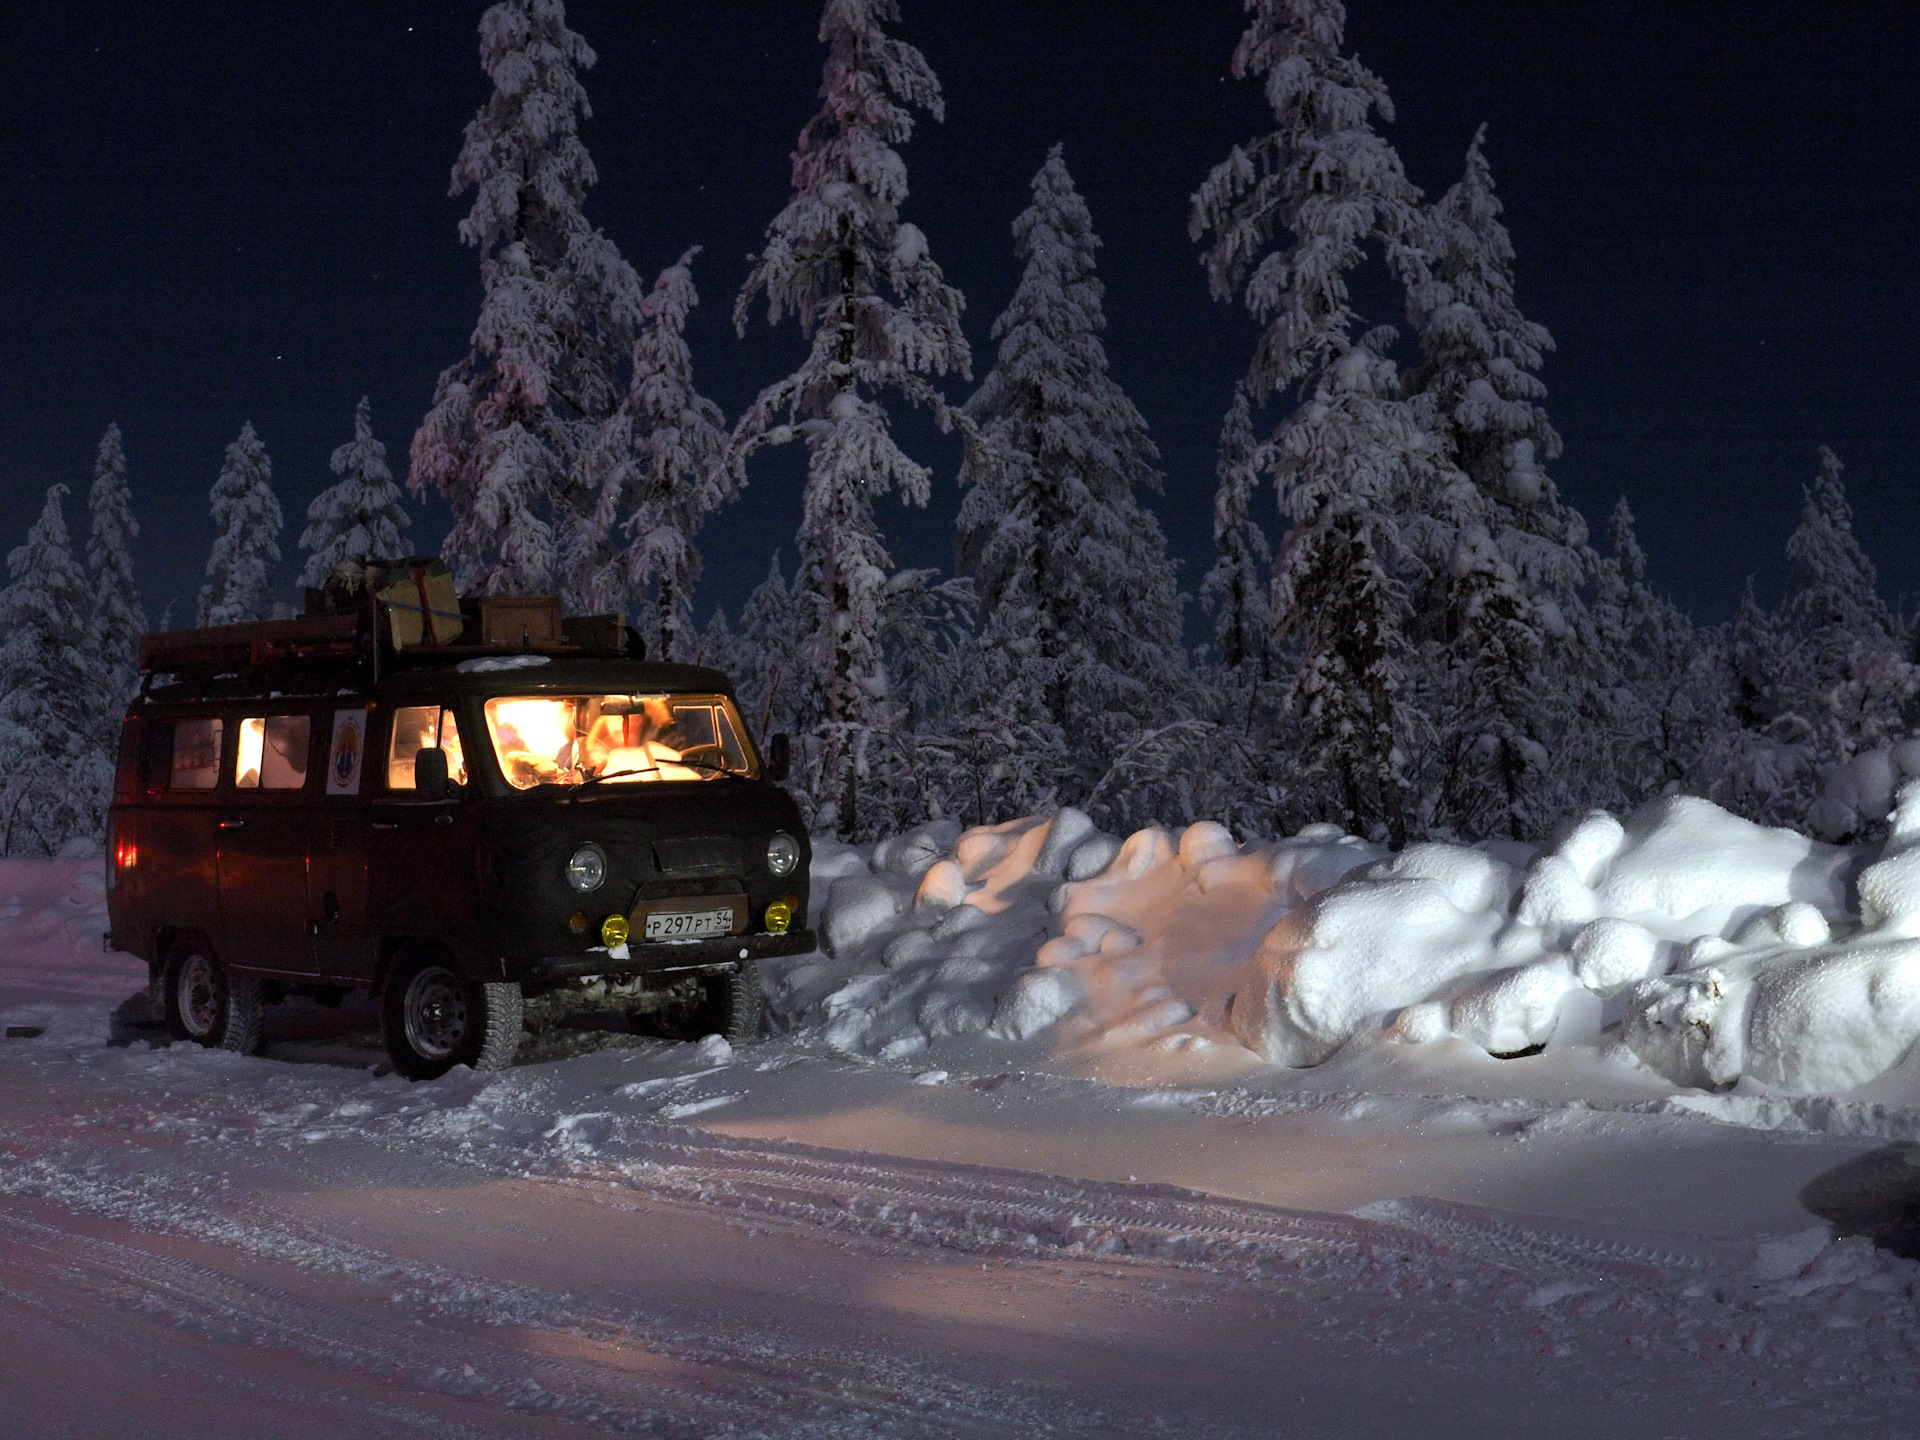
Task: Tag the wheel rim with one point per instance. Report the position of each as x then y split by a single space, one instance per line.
198 995
435 1013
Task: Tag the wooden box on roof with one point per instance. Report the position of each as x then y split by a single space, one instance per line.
520 621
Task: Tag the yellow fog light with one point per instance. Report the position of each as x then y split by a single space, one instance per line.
614 931
779 917
577 923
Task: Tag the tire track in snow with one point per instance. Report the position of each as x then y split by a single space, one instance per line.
740 1381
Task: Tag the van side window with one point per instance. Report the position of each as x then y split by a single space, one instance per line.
195 761
273 751
415 728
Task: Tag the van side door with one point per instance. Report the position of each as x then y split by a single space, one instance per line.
171 829
337 887
423 855
264 819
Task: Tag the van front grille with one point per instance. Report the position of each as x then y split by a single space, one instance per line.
698 855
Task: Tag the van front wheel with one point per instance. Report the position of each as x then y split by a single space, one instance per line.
435 1019
209 1004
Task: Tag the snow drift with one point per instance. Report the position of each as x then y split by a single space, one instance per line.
1683 938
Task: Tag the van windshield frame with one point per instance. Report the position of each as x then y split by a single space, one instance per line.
565 741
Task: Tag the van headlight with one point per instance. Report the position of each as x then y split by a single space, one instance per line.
587 868
783 853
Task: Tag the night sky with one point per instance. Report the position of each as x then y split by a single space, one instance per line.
220 211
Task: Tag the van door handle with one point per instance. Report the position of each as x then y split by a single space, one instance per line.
386 825
233 824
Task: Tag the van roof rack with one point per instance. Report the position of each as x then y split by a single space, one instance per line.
366 633
240 647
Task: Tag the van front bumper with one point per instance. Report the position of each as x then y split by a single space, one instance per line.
660 959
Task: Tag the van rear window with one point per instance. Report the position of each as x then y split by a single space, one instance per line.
192 759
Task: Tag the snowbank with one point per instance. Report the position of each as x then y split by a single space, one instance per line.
52 916
1683 939
1682 942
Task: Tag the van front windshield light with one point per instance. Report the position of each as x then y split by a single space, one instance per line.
619 739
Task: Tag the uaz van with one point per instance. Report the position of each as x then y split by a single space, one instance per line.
464 821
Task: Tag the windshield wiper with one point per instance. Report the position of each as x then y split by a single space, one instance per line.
715 767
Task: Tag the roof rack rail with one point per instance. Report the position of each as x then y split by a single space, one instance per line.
264 642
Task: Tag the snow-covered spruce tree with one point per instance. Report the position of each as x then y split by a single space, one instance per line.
116 621
1832 603
1235 590
511 420
359 517
1658 688
1287 217
1505 557
1066 553
768 660
246 544
1762 761
661 460
880 317
1840 676
54 775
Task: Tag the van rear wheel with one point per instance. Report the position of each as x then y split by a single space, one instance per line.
207 1003
434 1019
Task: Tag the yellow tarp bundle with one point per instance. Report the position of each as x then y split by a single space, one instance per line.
409 592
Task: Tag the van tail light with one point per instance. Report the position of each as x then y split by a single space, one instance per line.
126 854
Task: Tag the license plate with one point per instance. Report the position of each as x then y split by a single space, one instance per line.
689 924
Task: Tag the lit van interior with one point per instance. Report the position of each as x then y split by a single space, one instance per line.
618 739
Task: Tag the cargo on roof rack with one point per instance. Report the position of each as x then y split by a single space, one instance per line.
379 616
234 647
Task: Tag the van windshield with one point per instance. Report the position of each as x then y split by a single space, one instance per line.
619 739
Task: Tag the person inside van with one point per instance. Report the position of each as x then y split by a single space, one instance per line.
536 740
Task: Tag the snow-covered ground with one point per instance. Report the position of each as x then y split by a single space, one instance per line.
1013 1167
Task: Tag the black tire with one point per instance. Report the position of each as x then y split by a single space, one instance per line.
435 1019
729 1002
746 1004
207 1003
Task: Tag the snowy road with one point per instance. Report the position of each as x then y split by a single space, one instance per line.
194 1244
630 1237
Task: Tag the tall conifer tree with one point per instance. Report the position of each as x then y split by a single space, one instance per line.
512 420
661 461
117 621
1235 590
880 317
1067 555
54 777
1286 218
246 545
359 517
1504 557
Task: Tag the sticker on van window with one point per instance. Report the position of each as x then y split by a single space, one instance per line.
349 746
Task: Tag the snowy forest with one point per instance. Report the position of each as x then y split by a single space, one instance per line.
1407 632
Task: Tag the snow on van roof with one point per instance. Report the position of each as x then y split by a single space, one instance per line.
486 664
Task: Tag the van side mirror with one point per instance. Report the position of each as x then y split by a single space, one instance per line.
430 778
779 757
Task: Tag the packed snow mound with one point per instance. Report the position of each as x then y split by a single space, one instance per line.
1680 939
1379 941
1862 790
53 914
